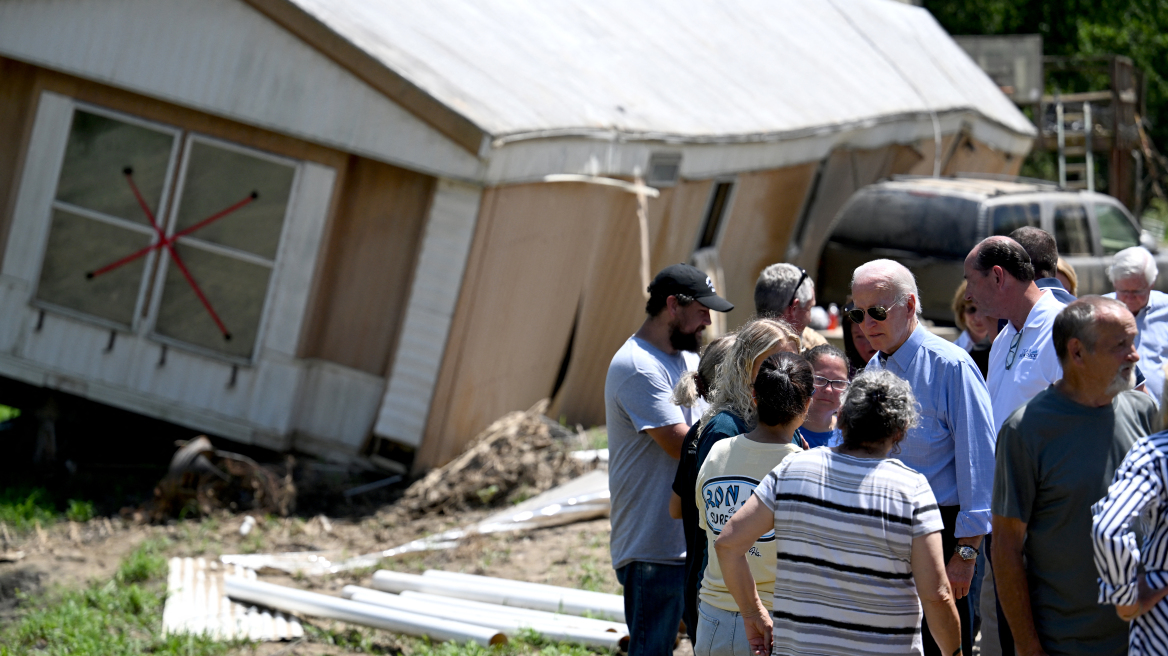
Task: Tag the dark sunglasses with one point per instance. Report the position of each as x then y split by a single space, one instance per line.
878 313
796 287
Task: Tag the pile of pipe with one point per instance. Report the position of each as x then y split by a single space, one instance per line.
454 606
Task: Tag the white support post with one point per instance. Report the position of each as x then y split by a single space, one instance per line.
446 245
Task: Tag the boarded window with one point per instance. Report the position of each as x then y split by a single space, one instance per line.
224 225
97 218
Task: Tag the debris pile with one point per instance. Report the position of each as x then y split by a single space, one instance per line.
203 479
518 456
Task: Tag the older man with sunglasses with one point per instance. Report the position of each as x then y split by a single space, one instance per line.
953 445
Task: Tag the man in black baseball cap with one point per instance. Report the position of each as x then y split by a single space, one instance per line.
645 435
671 309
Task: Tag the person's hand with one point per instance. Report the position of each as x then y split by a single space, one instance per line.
758 633
1147 598
960 573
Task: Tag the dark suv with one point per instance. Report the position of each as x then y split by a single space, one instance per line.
930 225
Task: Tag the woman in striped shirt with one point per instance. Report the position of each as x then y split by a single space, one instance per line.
858 542
1138 489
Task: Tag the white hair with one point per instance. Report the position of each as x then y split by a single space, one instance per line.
1132 262
895 273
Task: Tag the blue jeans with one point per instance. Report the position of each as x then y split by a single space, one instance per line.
653 603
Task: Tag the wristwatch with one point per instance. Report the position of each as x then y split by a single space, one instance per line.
966 552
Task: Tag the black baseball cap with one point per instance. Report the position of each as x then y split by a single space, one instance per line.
691 281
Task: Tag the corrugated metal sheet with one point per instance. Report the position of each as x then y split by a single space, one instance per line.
437 280
196 603
683 69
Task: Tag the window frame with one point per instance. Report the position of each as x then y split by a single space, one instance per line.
150 287
721 219
168 188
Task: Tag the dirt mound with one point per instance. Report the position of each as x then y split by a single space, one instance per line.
518 456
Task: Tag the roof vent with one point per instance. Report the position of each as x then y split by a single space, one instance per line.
664 169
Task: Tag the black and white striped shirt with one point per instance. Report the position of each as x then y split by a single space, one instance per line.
1138 493
844 528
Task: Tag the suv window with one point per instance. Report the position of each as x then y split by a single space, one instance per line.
1116 232
919 222
1008 218
1070 230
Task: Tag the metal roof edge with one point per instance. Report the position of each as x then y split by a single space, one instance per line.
367 68
618 135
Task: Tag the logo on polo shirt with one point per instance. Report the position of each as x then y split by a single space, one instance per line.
723 496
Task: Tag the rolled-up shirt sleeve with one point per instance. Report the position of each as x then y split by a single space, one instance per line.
971 423
1138 483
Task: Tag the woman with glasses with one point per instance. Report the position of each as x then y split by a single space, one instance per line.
831 380
782 393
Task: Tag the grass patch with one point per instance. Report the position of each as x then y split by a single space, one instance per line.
20 508
120 616
79 511
596 438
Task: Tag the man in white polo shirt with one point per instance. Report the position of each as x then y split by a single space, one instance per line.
1023 362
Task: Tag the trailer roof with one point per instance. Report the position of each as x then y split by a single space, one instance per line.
684 70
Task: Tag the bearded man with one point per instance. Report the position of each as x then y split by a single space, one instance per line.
1056 456
645 435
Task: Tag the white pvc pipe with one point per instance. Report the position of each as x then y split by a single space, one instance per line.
500 619
320 605
555 601
572 620
599 598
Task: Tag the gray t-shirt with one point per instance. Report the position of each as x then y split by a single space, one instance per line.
640 474
1054 459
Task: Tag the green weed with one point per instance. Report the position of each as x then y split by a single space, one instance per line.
79 511
144 563
20 508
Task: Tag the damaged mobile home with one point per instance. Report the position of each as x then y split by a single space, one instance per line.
324 225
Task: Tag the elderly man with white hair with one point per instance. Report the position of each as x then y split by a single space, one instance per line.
1132 274
953 444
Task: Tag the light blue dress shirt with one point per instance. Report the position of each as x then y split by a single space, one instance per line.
1152 341
953 445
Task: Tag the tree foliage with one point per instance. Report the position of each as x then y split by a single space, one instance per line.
1135 28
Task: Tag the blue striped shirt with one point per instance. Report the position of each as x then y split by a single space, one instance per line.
953 445
1138 494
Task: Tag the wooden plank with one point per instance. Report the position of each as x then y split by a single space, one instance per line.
758 231
519 301
973 156
17 104
373 246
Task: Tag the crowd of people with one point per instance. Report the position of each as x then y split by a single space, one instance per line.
779 495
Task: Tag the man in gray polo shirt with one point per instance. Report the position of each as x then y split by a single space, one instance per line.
645 435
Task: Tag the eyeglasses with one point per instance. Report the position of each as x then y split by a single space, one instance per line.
1013 352
837 385
876 312
795 289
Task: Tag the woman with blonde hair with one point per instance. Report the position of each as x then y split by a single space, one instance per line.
732 410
